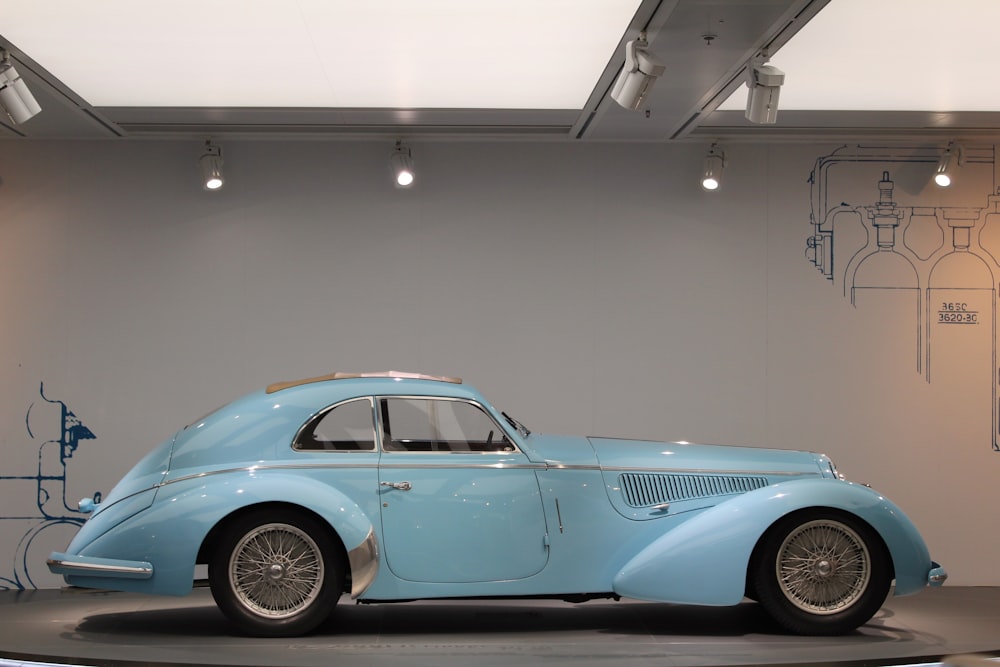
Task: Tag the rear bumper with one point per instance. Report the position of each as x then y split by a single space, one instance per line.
66 564
937 575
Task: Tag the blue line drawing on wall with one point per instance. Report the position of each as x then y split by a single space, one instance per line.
47 518
932 265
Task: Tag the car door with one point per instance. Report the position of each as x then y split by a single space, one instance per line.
460 502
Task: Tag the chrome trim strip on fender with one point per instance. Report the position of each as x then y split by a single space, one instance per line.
464 466
255 468
97 568
548 465
364 564
710 471
338 466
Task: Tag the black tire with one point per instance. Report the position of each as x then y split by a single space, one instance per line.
276 573
821 572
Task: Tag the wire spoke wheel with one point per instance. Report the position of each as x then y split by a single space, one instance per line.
276 570
821 572
823 567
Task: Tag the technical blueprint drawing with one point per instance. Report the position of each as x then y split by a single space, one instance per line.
905 255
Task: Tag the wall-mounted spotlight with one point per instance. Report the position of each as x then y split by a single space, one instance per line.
711 174
638 75
764 82
211 167
950 160
15 98
401 163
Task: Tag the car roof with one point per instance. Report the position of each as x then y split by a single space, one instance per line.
340 375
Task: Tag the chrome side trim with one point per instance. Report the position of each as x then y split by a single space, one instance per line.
255 468
710 471
441 464
464 466
553 465
98 569
364 564
339 466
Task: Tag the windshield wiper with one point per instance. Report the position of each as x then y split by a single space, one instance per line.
521 428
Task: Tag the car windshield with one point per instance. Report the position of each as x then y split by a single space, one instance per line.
521 428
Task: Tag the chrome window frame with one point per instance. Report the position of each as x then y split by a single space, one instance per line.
321 415
383 436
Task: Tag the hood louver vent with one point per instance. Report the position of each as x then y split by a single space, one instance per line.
644 490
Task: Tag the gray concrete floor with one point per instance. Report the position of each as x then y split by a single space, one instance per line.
122 629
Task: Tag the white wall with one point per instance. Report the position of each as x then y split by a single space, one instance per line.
590 289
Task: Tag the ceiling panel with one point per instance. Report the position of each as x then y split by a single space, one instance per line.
891 55
531 69
516 54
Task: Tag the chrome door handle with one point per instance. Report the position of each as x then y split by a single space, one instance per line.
400 486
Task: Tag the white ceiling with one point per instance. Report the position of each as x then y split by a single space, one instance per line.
323 53
540 69
892 55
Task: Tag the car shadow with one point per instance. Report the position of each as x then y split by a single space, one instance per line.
478 618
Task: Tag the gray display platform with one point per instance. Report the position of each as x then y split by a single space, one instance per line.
119 629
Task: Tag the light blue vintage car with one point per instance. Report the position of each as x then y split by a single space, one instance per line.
397 486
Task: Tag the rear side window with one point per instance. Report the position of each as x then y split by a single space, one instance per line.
344 427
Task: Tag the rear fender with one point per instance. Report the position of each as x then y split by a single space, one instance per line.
169 534
705 559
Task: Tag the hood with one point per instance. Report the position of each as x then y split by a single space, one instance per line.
613 454
649 480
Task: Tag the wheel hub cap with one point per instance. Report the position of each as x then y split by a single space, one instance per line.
276 570
824 569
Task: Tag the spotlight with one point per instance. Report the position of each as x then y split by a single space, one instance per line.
211 167
711 174
401 162
764 82
15 98
638 75
950 160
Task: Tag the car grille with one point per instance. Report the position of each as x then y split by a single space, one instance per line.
644 490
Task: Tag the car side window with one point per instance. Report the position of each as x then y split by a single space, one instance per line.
344 427
439 425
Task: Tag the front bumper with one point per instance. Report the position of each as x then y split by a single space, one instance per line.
937 575
86 566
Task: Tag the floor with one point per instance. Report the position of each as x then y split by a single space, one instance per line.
105 629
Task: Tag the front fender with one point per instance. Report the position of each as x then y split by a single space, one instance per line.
170 532
705 559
